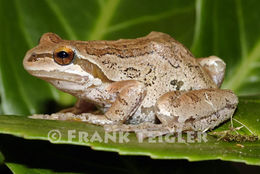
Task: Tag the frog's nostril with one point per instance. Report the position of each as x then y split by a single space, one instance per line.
33 58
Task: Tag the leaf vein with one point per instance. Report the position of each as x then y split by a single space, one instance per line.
243 69
106 13
241 25
147 18
62 19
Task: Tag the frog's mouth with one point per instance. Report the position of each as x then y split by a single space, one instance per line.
60 76
70 83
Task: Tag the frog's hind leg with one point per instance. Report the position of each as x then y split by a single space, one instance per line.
197 110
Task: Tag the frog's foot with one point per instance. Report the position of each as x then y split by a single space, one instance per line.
84 117
142 130
198 110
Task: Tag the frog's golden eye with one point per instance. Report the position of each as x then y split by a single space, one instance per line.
63 55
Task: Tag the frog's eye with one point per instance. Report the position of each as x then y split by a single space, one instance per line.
63 55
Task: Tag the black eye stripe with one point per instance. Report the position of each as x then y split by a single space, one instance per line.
34 57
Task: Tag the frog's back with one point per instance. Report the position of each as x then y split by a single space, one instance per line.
156 59
131 48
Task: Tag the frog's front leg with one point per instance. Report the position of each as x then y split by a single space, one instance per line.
197 110
129 95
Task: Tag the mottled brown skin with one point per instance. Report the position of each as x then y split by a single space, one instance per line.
137 82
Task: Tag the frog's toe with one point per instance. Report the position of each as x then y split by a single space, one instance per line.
85 117
60 116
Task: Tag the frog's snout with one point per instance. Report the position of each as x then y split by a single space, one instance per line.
34 61
28 58
34 57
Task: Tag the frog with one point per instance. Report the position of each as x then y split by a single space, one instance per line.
151 84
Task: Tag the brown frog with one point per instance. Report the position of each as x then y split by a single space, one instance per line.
148 84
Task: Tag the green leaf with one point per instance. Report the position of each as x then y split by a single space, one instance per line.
17 89
229 29
1 158
21 169
67 132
